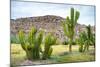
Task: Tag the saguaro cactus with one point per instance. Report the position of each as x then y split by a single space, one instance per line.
49 41
32 44
69 26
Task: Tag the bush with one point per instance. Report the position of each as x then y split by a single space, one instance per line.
58 42
14 39
65 43
73 43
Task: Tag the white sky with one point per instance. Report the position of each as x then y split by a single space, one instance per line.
88 2
28 9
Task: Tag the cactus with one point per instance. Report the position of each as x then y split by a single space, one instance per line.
85 38
32 43
50 52
49 41
22 39
89 38
81 41
69 25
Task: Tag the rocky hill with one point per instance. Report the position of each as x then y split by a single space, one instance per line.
49 23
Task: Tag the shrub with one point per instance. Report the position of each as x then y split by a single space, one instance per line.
65 43
14 39
58 42
74 43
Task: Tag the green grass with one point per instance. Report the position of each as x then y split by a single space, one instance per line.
17 54
60 55
75 58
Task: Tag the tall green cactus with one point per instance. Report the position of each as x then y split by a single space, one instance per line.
69 26
32 43
49 41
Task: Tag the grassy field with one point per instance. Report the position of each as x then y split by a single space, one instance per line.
60 55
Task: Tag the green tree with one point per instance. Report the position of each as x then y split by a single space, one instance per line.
69 26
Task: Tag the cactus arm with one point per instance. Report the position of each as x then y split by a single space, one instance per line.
72 15
65 29
77 14
22 39
49 41
50 52
32 35
39 38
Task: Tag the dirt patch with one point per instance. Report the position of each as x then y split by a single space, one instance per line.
37 62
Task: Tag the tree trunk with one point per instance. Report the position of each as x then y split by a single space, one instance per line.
70 44
70 47
87 47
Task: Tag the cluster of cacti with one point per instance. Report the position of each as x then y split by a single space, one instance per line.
82 41
69 26
85 39
89 36
32 44
49 41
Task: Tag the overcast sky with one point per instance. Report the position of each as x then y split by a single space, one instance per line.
30 9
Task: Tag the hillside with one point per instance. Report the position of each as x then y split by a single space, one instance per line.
49 23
